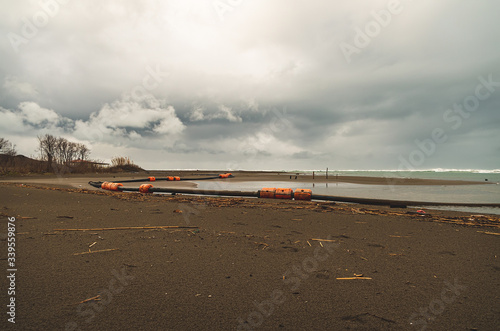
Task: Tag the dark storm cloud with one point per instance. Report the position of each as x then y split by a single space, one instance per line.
264 84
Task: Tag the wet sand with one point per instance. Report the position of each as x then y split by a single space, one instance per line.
247 264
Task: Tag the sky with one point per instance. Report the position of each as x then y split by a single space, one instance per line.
256 85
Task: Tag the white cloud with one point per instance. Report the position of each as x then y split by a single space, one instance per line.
33 114
197 114
19 89
226 113
148 114
124 122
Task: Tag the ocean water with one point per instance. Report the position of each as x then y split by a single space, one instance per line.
449 174
475 193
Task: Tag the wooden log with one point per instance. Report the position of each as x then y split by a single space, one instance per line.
132 228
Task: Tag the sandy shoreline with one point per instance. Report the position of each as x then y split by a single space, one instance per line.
249 264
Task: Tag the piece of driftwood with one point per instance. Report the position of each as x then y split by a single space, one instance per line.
487 232
96 298
326 240
351 278
99 251
132 228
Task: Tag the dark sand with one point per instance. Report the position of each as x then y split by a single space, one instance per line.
231 268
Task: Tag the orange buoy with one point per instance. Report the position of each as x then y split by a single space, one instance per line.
267 192
105 185
302 194
114 186
170 178
227 175
284 193
177 178
144 188
151 179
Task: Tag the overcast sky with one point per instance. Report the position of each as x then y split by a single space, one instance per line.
257 84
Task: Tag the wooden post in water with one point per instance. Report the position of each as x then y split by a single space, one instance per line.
326 173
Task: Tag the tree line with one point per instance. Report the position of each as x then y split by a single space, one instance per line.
57 155
60 150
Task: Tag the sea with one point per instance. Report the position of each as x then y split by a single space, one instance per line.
487 189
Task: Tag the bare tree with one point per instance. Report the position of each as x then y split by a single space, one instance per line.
60 151
6 147
83 152
48 148
3 142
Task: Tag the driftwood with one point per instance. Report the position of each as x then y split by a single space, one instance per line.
326 240
99 251
96 298
132 228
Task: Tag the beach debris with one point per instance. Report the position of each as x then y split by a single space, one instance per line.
396 236
364 258
131 265
492 233
352 278
90 246
308 243
325 240
358 275
178 211
264 245
28 218
296 219
133 228
421 212
99 251
96 298
64 216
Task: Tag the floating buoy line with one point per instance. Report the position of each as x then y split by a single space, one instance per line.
266 193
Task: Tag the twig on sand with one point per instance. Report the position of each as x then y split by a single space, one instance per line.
132 228
96 298
327 240
487 232
351 278
99 251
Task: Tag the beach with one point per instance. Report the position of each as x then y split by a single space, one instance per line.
189 262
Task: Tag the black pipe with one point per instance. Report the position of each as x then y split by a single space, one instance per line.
369 201
364 201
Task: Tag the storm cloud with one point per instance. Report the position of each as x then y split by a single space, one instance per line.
256 84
